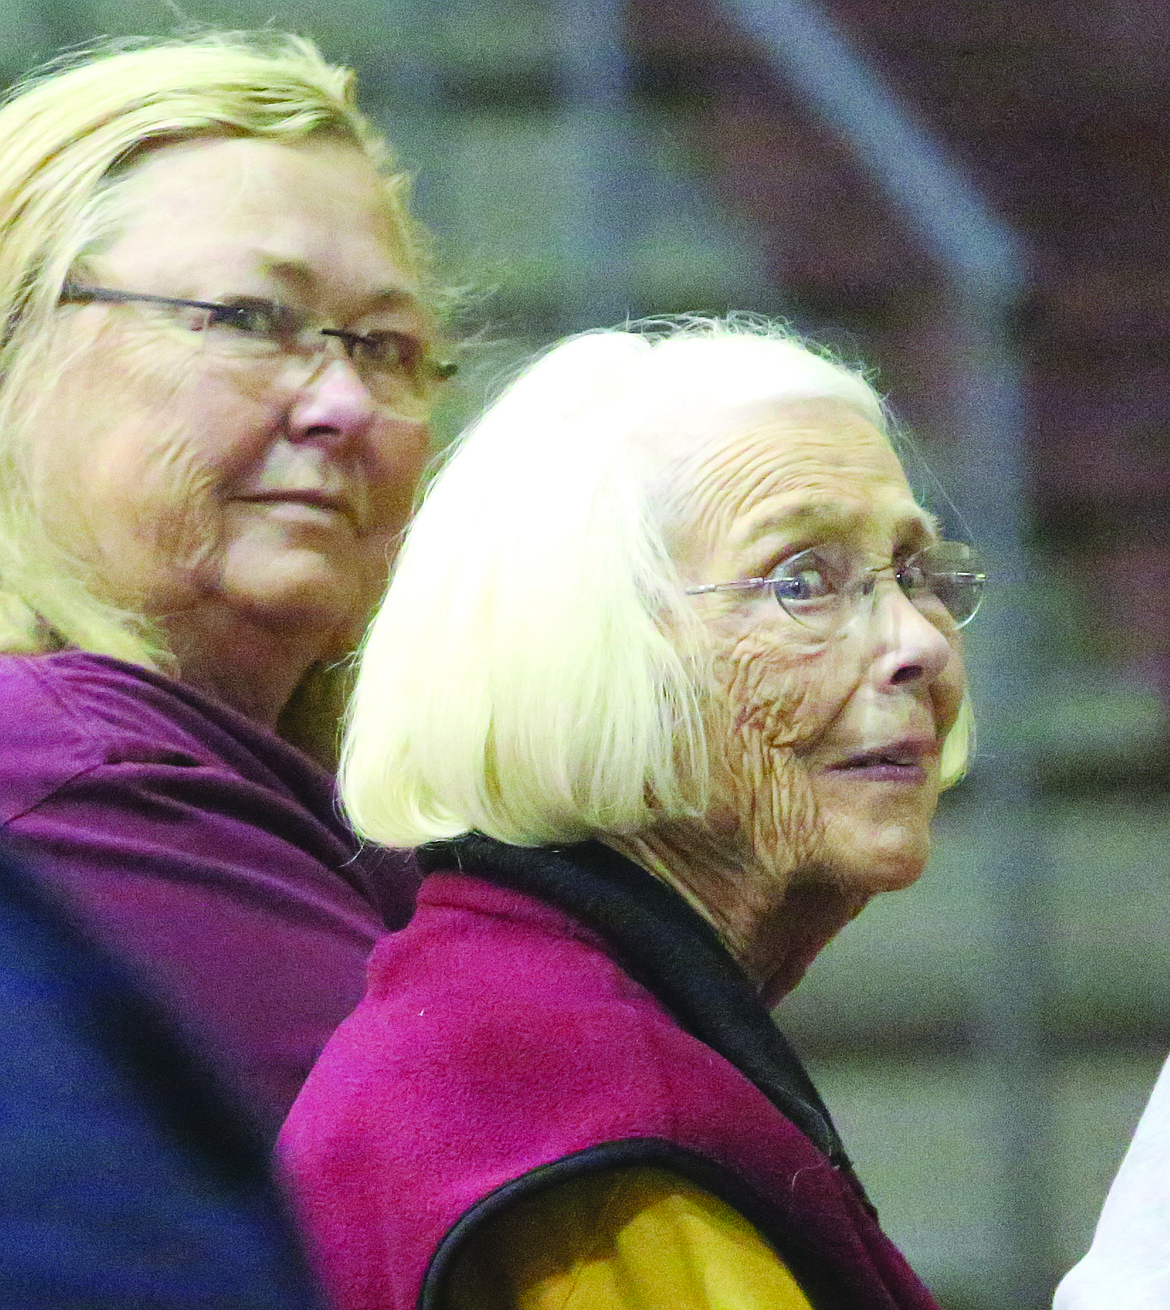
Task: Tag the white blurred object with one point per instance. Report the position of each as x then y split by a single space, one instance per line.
1128 1264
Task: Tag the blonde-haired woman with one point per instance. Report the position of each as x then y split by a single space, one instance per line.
216 367
683 685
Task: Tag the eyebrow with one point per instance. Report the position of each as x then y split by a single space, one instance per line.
299 272
809 517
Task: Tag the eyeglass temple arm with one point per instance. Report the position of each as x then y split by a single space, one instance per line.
746 584
73 294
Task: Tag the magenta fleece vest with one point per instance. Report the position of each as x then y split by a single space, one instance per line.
547 1014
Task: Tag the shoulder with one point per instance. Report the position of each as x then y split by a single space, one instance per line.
87 698
58 718
485 1047
499 1044
72 717
494 1016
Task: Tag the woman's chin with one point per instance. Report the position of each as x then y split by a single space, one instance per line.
296 595
880 857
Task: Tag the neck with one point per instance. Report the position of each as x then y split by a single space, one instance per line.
732 890
773 920
252 666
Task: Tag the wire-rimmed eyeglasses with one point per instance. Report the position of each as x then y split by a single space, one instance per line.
394 365
821 587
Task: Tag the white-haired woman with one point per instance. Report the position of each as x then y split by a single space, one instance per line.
682 688
215 372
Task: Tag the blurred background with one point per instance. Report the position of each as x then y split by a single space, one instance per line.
972 196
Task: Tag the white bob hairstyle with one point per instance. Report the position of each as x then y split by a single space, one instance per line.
534 671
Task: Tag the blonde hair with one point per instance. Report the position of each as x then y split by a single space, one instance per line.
67 135
534 671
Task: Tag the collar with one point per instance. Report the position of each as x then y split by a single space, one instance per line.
668 948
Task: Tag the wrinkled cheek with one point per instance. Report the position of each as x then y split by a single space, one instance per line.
154 532
776 804
949 690
769 722
141 499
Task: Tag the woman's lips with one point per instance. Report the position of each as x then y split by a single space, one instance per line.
902 761
323 501
883 771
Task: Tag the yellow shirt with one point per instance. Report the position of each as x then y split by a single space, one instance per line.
626 1239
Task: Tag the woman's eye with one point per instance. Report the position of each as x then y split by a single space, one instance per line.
260 318
915 579
806 577
393 352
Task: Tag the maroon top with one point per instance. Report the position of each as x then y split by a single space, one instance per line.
507 1044
203 849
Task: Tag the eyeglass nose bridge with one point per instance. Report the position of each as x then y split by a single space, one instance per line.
310 352
866 586
311 356
866 583
350 341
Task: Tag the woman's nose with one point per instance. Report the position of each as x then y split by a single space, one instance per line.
333 402
908 647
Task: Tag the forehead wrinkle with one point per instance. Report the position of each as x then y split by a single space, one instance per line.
719 473
797 514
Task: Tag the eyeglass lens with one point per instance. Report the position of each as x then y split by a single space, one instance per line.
390 364
817 590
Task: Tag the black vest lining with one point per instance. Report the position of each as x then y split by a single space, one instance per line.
668 948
